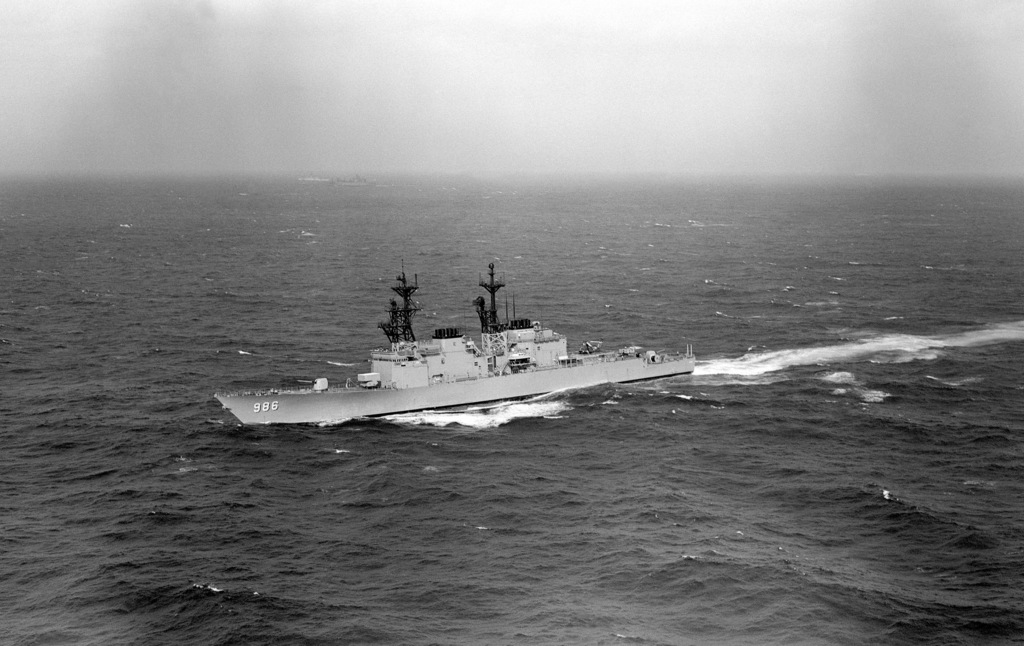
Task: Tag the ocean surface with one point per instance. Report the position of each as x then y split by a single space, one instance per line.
845 466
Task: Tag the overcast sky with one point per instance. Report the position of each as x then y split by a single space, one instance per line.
338 87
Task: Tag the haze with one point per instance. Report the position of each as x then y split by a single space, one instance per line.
215 87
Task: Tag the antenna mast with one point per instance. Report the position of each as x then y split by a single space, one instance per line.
398 327
489 316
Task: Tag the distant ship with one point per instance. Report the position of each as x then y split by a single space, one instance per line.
515 359
354 180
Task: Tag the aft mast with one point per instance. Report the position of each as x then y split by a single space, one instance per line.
489 316
491 331
398 327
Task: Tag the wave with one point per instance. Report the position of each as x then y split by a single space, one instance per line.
886 348
955 383
849 385
840 378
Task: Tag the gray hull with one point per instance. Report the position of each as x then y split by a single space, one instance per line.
337 405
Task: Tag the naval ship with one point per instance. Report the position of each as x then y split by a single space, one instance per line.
515 359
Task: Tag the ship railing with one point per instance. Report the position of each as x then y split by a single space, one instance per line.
261 393
595 359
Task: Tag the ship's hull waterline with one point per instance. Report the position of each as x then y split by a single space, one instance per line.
341 404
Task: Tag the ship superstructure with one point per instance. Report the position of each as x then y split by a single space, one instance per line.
515 358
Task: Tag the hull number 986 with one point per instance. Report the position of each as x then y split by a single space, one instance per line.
263 407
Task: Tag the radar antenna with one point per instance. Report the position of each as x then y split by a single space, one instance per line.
398 327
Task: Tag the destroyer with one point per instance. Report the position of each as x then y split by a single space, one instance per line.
516 358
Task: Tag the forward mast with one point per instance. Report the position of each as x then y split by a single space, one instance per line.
398 327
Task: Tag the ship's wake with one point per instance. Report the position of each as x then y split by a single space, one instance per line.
485 416
758 367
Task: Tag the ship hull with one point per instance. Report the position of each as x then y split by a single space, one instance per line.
337 405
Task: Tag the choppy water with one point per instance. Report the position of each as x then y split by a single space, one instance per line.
845 466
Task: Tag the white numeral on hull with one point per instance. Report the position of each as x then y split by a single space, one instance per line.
263 407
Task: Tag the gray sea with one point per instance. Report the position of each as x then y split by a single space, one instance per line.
845 466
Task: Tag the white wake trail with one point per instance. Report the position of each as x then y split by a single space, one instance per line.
887 348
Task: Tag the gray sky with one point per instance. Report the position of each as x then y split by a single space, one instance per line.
236 86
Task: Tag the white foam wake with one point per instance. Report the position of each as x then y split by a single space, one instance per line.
481 418
886 348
